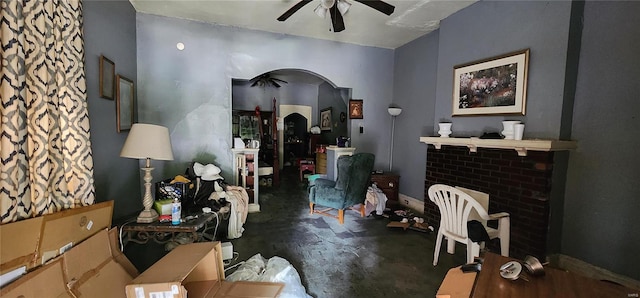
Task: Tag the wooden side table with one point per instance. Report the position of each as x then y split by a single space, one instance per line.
166 232
389 183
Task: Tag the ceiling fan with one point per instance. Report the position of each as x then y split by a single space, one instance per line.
266 80
337 8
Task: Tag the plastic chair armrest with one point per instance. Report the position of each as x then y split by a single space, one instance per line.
498 215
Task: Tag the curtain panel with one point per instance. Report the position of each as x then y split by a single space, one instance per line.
46 159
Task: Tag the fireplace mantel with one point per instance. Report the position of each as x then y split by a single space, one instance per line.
521 146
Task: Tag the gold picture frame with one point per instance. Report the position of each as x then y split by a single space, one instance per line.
326 120
355 109
496 85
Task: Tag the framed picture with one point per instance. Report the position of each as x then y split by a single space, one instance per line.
355 109
107 75
125 97
497 85
325 119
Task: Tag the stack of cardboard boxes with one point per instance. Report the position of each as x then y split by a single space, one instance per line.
74 253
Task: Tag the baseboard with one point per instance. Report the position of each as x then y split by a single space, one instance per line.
253 208
411 203
583 268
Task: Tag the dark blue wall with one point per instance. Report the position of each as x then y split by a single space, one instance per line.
110 30
602 199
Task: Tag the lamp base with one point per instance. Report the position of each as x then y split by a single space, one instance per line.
147 216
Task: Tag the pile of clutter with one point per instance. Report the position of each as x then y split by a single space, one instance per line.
407 220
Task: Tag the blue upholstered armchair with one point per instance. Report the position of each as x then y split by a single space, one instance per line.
354 174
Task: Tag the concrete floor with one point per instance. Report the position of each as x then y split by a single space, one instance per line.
362 258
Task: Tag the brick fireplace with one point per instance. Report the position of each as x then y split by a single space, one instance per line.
519 185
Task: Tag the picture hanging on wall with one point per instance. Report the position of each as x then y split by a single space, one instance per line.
496 85
325 119
107 75
124 103
355 109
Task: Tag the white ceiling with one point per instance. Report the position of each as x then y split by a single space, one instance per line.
364 25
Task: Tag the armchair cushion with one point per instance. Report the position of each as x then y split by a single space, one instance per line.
344 172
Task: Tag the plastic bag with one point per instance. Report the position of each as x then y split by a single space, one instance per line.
275 269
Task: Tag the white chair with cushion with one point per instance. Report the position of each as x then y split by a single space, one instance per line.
457 207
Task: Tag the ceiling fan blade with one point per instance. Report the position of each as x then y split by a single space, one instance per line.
279 80
379 5
336 19
275 84
292 10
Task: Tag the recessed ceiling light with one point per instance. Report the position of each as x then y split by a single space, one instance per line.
180 46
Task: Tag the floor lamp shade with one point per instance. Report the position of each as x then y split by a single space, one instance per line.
147 141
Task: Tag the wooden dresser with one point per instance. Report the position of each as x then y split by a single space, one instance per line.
321 163
389 183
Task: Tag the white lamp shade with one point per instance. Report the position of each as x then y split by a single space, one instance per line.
394 111
148 141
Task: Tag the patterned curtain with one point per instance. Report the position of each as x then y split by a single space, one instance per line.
44 143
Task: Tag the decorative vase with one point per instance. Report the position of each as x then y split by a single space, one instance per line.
518 131
445 129
508 128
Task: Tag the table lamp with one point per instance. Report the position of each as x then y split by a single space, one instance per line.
147 141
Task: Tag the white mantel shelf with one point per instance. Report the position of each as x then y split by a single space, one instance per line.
521 146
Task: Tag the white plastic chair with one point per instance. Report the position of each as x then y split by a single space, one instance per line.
456 208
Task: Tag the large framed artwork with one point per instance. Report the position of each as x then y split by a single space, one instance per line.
107 74
125 97
497 85
325 119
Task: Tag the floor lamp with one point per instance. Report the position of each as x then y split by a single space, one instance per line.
147 141
394 111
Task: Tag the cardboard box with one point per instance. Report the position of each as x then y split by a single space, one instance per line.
45 281
19 244
89 269
29 243
78 224
456 284
196 269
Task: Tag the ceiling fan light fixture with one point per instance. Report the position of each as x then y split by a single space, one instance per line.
327 3
320 11
343 6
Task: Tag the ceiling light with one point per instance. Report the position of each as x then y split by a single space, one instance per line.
327 3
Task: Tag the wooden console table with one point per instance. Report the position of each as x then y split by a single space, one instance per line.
166 232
